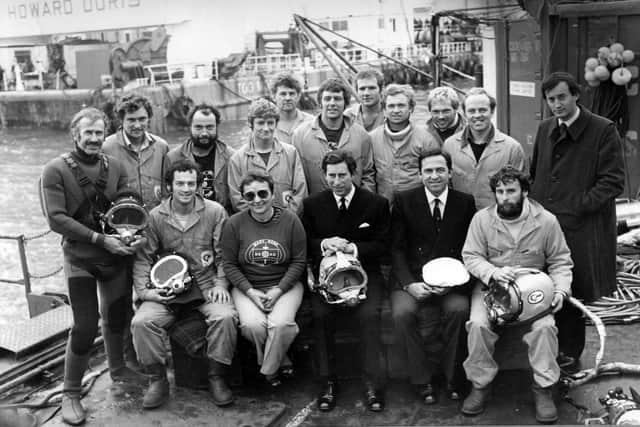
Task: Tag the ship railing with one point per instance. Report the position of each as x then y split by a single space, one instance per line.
38 303
171 73
23 81
400 52
272 63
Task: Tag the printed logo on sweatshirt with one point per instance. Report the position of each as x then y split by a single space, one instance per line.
265 252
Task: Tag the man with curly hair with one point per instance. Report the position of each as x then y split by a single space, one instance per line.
266 154
330 131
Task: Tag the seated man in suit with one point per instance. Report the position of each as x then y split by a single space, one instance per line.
430 222
347 219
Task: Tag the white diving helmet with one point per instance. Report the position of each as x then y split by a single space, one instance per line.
342 279
445 272
524 300
126 217
171 275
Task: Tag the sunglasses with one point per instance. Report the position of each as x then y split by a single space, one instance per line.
249 196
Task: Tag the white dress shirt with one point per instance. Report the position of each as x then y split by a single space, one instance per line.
431 199
571 120
347 198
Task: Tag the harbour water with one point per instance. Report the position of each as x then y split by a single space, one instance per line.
23 154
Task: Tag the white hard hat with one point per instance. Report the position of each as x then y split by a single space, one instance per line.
444 272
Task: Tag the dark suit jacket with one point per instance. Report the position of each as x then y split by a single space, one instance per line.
415 241
321 220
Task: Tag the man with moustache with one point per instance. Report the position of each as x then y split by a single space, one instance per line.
353 220
205 149
75 189
142 153
368 113
430 222
578 171
443 104
516 232
190 225
286 91
399 143
330 131
480 149
266 154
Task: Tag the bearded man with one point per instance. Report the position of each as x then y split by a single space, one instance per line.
205 149
515 232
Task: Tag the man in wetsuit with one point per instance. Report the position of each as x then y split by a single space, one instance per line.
75 189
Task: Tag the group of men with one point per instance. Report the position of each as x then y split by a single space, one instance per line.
370 181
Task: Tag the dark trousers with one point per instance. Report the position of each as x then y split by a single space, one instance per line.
326 317
571 330
445 320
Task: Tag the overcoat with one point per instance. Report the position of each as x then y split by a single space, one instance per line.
577 177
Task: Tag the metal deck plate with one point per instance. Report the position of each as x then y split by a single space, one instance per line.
24 335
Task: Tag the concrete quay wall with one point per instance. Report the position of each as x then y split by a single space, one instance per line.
54 108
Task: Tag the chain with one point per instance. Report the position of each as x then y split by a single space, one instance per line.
34 237
37 236
44 276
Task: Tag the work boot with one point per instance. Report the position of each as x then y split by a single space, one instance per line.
74 367
72 411
158 391
220 391
546 411
475 402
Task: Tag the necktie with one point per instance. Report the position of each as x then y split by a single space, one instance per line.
563 132
343 205
437 215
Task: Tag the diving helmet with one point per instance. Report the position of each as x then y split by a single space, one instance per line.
525 299
170 274
342 280
444 272
621 409
126 217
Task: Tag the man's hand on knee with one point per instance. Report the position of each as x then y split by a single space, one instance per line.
218 294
